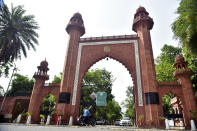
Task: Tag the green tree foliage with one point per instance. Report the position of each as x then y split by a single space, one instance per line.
185 26
194 82
95 81
113 111
166 99
110 113
4 68
57 79
164 63
48 105
21 86
128 103
185 30
192 64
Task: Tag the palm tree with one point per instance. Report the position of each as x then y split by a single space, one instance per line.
17 33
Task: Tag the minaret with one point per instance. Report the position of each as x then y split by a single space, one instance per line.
40 78
183 74
142 24
75 29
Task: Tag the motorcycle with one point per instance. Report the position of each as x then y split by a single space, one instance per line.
89 121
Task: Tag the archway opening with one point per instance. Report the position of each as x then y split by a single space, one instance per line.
173 109
20 107
114 79
48 105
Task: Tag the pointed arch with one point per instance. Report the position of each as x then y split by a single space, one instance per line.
123 51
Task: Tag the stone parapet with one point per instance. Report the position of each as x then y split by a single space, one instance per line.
183 72
37 75
170 83
105 38
51 85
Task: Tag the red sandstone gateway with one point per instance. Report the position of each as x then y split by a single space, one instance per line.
133 51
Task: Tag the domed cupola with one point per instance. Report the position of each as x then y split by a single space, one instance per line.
42 71
140 16
180 62
181 67
179 59
141 10
76 22
77 15
43 66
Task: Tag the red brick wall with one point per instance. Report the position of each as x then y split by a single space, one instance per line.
10 102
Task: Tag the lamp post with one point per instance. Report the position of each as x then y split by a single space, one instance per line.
5 95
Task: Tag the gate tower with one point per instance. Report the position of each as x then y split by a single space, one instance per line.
133 51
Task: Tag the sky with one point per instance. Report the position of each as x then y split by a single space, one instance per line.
101 18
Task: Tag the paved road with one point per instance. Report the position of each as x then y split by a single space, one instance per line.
33 127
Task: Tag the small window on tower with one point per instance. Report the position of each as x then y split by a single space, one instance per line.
74 20
179 67
183 66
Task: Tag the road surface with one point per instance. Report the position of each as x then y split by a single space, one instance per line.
34 127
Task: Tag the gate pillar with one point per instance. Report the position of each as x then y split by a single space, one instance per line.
142 24
40 78
67 102
183 74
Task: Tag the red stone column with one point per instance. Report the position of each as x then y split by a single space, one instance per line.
142 24
75 29
183 74
189 99
34 105
35 100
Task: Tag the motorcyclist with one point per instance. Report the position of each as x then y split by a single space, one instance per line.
86 114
